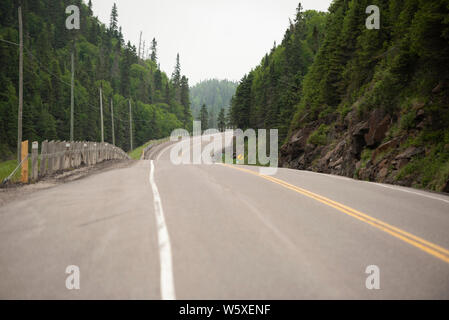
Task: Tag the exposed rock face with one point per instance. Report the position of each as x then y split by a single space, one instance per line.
378 127
358 138
345 155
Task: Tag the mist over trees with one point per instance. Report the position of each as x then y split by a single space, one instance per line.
216 95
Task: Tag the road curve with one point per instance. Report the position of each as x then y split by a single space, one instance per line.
224 232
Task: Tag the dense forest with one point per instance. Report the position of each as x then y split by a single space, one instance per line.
366 103
215 95
102 58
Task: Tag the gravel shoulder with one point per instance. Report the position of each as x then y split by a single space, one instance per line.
12 191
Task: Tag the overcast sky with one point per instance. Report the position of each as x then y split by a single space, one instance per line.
215 39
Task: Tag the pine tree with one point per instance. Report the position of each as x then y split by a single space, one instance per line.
221 120
176 75
113 24
158 79
154 50
204 118
89 8
176 79
185 101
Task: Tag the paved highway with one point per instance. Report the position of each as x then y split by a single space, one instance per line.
156 230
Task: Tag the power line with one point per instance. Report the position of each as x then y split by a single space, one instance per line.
44 68
41 66
10 42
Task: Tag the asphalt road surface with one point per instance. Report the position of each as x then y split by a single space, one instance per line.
155 230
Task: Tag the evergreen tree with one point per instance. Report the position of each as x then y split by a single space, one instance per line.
204 118
215 94
176 79
154 50
89 8
99 58
176 75
221 120
113 22
185 101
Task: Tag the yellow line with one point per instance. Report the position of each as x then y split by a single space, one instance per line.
415 241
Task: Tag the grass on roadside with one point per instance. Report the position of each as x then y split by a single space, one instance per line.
7 167
137 153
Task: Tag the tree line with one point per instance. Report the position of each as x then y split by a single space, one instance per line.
102 58
215 96
331 72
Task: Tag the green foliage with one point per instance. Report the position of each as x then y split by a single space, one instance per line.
319 136
431 172
7 167
137 153
408 120
365 157
215 94
101 57
329 65
204 118
268 95
221 120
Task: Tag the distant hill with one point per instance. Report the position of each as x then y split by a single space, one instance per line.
215 94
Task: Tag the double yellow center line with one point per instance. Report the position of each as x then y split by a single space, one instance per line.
426 246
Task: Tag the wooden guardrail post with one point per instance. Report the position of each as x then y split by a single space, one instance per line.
44 157
62 154
51 158
76 157
84 154
34 161
56 156
91 153
90 145
24 160
95 154
66 156
80 148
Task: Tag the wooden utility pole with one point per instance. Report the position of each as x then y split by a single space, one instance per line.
19 119
130 126
112 117
72 99
101 113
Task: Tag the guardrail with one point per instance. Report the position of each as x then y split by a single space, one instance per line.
61 155
146 151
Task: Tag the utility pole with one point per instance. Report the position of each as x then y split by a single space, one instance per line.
112 117
130 126
19 119
143 51
101 113
72 99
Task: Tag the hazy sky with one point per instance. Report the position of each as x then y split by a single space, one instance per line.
215 39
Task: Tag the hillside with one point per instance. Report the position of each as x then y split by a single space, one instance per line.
102 58
215 94
373 105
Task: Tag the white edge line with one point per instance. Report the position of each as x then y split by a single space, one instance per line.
165 255
392 187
